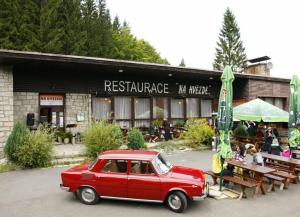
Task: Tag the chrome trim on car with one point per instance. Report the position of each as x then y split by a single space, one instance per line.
62 187
131 199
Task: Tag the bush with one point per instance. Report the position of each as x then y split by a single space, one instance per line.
15 139
135 139
199 132
240 131
102 136
157 123
179 123
36 150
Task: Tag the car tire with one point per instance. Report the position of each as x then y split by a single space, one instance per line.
88 195
177 201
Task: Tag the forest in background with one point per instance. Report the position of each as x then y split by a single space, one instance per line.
76 27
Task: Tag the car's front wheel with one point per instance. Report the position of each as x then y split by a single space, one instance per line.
88 195
177 201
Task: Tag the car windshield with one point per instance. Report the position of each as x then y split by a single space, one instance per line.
161 165
91 166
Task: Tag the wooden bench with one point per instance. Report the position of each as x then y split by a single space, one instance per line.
287 177
272 178
236 180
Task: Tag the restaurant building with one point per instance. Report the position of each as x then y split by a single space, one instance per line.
65 90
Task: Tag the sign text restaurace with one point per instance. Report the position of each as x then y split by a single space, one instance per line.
151 88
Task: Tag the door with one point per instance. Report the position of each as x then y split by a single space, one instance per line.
112 179
143 183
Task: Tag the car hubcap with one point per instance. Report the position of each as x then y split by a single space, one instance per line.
174 201
88 195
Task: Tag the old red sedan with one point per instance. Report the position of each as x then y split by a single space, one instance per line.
137 176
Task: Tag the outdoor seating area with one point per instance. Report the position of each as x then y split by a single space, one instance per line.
277 170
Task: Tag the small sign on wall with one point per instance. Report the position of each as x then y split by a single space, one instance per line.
80 116
51 100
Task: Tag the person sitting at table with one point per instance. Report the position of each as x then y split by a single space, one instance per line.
257 157
275 148
240 153
259 135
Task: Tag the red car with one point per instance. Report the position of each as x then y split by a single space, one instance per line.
137 176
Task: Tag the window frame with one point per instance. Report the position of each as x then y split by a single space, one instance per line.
140 174
119 173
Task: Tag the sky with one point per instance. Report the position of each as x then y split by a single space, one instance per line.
189 29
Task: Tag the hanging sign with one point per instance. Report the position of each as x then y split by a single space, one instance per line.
51 100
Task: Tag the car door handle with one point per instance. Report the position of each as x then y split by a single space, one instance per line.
98 176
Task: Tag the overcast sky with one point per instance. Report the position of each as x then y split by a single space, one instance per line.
189 29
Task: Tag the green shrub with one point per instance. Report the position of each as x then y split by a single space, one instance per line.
157 123
240 131
179 123
15 139
135 139
37 148
199 132
102 136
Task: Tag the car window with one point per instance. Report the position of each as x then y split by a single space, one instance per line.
141 167
115 166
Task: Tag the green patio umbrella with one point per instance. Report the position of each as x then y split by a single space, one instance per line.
294 115
259 110
224 119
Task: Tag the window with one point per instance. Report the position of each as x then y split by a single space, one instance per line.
279 103
269 100
192 107
115 166
141 167
206 109
142 111
101 108
123 111
160 107
177 108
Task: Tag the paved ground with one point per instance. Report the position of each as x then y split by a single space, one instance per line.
36 193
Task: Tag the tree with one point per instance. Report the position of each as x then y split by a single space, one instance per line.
9 24
51 28
230 49
182 63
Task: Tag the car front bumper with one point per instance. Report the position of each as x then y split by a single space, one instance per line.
62 187
205 194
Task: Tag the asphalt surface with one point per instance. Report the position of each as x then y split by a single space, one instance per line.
36 193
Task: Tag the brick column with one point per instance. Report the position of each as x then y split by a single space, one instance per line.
6 105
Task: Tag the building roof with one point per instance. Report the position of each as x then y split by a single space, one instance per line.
12 57
129 155
259 59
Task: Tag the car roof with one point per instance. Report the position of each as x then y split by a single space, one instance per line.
129 154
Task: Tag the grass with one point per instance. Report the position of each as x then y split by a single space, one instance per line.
7 167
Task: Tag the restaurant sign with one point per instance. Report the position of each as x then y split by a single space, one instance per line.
51 100
144 87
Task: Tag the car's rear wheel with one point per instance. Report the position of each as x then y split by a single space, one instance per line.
88 195
177 201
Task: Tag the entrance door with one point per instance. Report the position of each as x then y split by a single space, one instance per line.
52 110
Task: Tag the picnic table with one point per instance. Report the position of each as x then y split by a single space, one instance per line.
290 162
259 172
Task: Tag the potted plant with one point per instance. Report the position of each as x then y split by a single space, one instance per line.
67 137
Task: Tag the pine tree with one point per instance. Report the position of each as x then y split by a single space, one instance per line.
73 38
9 23
230 49
116 24
182 63
51 28
29 30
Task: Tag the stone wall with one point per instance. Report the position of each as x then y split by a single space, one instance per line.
24 103
78 103
6 105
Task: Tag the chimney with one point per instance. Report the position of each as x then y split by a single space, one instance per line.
259 66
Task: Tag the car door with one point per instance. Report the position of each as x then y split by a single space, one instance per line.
143 182
112 179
